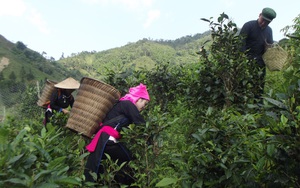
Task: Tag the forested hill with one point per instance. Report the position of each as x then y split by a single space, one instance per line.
181 42
21 64
144 53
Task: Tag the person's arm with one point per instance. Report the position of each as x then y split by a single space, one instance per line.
72 101
244 33
53 102
270 36
134 115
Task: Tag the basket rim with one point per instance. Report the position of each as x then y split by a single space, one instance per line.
51 81
85 77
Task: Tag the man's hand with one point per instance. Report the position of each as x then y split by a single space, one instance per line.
65 111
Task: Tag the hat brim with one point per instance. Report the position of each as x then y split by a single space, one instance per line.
68 83
267 19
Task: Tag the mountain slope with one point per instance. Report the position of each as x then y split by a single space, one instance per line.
26 65
141 54
21 64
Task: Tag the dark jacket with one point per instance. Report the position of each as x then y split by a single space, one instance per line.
60 99
121 115
256 39
128 110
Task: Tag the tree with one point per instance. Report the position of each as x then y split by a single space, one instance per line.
21 45
30 76
227 72
12 76
1 76
22 73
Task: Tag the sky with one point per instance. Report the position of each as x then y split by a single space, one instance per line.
69 27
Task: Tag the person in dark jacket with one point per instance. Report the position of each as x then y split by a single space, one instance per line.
257 35
126 111
61 98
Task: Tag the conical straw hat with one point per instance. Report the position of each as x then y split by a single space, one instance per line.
69 83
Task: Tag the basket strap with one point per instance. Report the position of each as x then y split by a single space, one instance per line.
117 118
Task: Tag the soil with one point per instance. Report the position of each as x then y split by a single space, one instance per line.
3 63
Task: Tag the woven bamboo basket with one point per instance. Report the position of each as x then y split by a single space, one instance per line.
46 93
275 57
93 101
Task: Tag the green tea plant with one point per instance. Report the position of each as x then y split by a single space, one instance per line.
189 140
226 73
282 116
35 157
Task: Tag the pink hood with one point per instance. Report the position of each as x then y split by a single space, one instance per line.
135 93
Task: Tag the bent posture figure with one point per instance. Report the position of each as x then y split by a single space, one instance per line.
125 112
61 98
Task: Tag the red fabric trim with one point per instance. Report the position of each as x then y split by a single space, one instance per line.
107 129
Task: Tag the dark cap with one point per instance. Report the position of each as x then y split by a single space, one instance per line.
268 14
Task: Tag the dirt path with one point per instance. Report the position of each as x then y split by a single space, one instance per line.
3 63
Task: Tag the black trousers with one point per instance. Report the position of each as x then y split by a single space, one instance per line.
117 151
48 115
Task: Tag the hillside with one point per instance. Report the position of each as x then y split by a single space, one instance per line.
21 64
144 53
